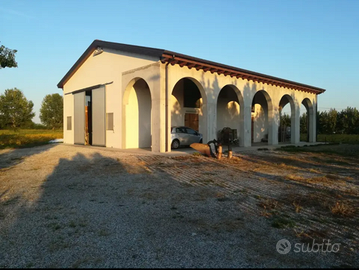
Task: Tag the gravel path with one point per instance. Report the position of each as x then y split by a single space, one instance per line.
69 206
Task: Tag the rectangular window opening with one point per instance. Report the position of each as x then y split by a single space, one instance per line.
69 119
109 121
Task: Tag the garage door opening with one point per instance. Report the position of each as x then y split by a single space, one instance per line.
89 118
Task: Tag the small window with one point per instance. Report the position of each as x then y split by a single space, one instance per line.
109 121
68 123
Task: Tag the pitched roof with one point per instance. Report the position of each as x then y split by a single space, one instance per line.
189 61
157 53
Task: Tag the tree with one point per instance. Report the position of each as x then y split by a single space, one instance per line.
7 57
285 120
51 112
327 121
15 109
348 121
303 123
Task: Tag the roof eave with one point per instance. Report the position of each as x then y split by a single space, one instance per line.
190 62
193 62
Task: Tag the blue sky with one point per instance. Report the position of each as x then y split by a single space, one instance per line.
313 42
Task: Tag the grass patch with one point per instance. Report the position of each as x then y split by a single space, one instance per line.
104 232
11 201
54 226
223 199
27 137
282 222
297 207
58 244
269 204
330 150
72 224
339 138
342 209
295 177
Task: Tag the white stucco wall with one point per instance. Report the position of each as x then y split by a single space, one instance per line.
150 74
176 105
138 110
68 111
260 123
228 114
100 69
123 70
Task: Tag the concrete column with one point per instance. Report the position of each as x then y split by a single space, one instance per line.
273 124
312 123
246 125
158 116
295 124
169 119
211 121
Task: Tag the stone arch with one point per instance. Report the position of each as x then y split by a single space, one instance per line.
136 115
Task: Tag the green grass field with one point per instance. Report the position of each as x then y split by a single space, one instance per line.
335 138
339 138
345 145
27 137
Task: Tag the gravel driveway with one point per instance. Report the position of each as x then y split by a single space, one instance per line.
76 206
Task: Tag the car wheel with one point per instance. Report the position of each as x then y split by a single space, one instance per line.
175 144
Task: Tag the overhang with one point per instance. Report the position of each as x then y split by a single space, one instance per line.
182 60
197 63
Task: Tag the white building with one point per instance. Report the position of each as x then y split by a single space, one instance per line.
135 94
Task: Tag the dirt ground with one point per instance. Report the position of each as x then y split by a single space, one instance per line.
72 206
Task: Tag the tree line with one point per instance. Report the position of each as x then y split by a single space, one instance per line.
17 112
345 121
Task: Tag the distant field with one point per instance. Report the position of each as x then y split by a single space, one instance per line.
27 137
335 138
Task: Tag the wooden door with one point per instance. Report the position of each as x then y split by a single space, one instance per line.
191 121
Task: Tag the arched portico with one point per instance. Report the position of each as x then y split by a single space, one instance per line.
294 119
230 111
136 115
311 120
188 105
262 118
